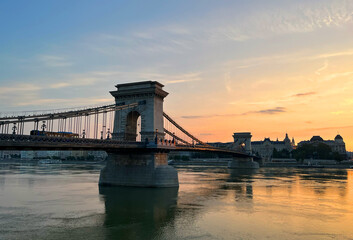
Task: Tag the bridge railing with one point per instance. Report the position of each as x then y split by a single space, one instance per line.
45 139
85 122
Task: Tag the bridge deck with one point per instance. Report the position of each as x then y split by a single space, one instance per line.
29 142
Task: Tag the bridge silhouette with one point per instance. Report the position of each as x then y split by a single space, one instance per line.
135 132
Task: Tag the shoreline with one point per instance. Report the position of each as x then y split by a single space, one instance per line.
37 161
224 163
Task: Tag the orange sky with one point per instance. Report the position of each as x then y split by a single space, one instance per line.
304 94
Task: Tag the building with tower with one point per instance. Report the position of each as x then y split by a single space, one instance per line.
336 145
266 147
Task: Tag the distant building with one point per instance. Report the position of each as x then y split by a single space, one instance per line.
265 148
9 154
28 155
336 145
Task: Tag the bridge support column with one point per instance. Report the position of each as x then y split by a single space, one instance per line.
139 170
243 163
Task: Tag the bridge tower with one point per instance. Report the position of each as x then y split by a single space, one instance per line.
146 167
149 95
242 141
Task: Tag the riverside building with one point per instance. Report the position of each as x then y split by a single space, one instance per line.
336 145
265 148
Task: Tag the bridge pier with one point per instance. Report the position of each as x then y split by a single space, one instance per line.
149 169
243 163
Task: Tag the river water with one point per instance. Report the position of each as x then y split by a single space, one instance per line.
65 202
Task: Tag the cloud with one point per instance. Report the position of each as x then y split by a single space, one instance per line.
318 71
228 82
285 19
334 54
142 74
270 111
335 75
304 94
73 81
21 87
338 112
329 128
60 85
280 100
286 58
77 102
181 78
180 81
24 95
54 61
188 35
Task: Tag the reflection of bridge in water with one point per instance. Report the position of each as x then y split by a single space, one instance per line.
135 132
141 211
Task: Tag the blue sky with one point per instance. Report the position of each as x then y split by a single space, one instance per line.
236 62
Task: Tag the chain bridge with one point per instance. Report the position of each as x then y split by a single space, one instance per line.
135 132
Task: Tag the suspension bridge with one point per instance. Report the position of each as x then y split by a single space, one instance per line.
135 132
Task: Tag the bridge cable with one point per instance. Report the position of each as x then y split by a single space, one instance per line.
183 130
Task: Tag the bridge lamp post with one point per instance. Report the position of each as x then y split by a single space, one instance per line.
44 126
83 133
14 128
108 133
156 138
102 135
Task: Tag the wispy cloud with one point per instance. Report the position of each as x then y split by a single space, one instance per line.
228 82
206 134
70 82
335 75
304 94
186 36
60 85
143 74
278 20
318 71
270 111
329 128
54 61
22 87
286 58
77 102
349 52
279 100
337 112
182 78
180 81
294 18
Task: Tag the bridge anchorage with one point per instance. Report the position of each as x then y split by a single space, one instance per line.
135 132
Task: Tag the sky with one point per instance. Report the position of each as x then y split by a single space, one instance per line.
266 67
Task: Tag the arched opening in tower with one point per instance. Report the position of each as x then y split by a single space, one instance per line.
133 126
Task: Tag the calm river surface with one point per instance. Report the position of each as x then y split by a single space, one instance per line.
65 202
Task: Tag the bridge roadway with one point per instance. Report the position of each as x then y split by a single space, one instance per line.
29 142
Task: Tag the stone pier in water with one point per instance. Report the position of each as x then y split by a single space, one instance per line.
243 163
139 170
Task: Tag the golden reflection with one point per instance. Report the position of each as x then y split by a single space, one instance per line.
309 204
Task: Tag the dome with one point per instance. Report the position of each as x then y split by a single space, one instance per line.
316 138
338 137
